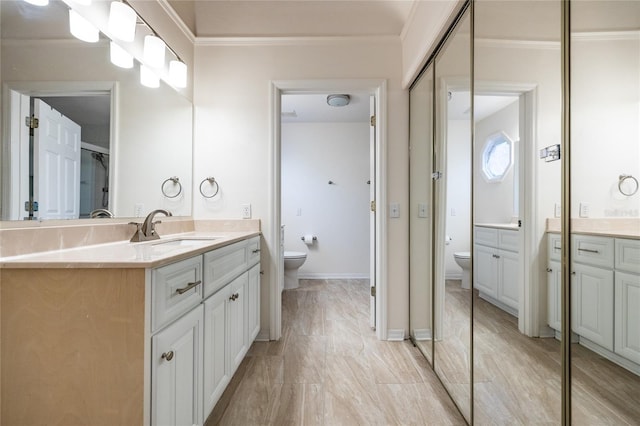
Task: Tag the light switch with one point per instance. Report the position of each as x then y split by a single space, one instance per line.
422 210
557 210
584 209
394 210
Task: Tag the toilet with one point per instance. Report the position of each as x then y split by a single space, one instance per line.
463 259
293 260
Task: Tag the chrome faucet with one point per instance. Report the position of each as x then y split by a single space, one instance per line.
146 231
100 213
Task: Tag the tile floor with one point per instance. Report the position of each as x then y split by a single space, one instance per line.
329 369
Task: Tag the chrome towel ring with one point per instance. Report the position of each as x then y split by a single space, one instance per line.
213 183
632 187
176 181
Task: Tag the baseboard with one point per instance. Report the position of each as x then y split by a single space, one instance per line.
499 304
327 276
452 276
422 334
611 356
263 336
395 335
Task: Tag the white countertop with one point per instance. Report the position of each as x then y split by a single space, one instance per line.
606 227
124 254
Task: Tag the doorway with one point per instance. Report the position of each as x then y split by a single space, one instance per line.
377 259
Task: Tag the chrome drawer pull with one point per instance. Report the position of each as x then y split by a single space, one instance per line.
168 355
549 270
588 250
188 287
256 251
557 248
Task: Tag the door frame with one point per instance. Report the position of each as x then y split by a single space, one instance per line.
276 89
10 175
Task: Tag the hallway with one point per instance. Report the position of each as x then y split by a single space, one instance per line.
330 369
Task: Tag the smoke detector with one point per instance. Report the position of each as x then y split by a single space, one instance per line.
338 100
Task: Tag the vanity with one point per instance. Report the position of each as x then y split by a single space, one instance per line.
496 265
605 291
127 333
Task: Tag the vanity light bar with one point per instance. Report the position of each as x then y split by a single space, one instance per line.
38 2
81 28
119 56
122 21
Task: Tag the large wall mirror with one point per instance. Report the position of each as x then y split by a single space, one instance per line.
134 139
605 211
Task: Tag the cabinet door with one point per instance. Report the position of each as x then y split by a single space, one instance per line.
254 303
238 338
176 372
592 302
627 312
508 282
485 266
554 295
216 362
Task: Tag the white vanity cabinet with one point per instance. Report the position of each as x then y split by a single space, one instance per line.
496 266
627 299
554 282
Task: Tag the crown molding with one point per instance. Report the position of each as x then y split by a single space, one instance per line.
410 17
173 15
294 41
517 44
606 35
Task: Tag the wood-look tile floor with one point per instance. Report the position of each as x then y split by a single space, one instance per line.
329 369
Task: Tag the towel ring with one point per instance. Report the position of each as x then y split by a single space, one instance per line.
212 182
624 178
176 181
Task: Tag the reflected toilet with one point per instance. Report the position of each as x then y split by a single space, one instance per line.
463 259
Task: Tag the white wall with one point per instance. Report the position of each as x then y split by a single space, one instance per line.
232 134
458 194
312 155
493 201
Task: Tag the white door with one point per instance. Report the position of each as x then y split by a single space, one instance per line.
176 374
17 163
372 214
56 164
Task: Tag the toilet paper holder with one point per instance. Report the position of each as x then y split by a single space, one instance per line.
314 238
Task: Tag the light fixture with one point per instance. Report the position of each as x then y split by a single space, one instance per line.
178 73
148 78
120 57
83 2
122 21
81 28
38 2
153 51
338 100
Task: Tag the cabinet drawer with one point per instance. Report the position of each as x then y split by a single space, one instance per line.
508 240
594 251
253 251
223 265
554 246
628 255
175 289
486 236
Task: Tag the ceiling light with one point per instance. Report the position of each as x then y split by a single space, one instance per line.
148 78
122 21
38 2
120 57
81 28
338 100
178 73
154 51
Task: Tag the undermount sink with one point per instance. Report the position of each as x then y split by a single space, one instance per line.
185 242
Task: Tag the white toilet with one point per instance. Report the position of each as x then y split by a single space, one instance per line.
293 260
463 259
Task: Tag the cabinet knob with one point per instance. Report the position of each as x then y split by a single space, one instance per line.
168 355
234 297
549 270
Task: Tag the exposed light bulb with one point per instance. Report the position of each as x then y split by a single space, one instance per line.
178 73
153 53
81 28
38 2
120 57
148 78
122 21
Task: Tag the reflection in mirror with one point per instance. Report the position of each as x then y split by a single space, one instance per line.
605 222
452 307
420 223
150 130
517 98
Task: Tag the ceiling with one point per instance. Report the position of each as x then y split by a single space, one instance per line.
293 18
304 108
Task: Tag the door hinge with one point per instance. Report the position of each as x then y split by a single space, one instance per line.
373 121
30 206
373 206
436 175
373 291
32 122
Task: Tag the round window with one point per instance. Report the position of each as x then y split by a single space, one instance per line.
497 156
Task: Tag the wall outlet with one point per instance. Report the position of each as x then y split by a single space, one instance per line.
422 210
557 211
137 209
453 212
299 212
246 211
394 210
584 209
